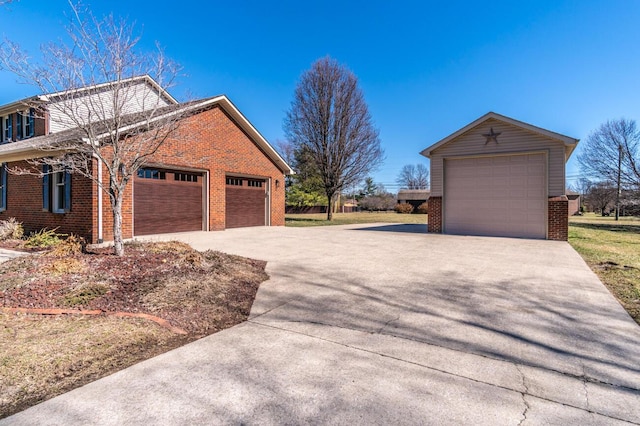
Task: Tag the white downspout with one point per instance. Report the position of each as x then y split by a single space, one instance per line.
100 236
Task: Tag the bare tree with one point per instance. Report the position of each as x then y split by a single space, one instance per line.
102 56
414 177
612 152
329 120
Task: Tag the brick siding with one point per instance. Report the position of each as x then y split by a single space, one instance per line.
558 220
435 215
209 141
24 202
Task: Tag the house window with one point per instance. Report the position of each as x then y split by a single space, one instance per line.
234 181
26 124
7 129
151 174
56 190
186 177
3 187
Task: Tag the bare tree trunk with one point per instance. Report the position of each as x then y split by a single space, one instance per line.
330 207
116 208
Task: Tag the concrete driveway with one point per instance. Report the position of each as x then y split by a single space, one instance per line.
384 324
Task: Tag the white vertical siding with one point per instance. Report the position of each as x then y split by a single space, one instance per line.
100 106
512 139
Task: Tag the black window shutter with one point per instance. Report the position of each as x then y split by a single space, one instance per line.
46 199
3 180
19 125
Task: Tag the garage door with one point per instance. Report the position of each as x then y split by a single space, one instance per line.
496 196
166 201
245 202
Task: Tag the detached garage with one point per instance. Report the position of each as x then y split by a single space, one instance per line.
500 177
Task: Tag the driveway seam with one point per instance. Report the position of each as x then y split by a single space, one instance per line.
524 394
583 377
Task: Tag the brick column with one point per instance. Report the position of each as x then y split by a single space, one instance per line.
558 218
435 215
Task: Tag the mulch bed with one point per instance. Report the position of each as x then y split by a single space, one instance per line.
198 292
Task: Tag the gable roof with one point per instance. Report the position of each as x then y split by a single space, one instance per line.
39 99
96 87
569 142
42 146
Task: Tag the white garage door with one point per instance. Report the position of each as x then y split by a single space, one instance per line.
497 196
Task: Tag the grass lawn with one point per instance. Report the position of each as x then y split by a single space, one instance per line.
320 219
612 250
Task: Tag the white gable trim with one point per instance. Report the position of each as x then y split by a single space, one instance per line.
569 142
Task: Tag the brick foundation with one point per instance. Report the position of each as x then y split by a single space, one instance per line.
435 215
558 219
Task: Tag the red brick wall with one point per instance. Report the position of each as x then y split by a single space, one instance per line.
212 141
24 202
435 215
558 225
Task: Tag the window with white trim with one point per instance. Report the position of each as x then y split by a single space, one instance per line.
7 128
27 123
56 190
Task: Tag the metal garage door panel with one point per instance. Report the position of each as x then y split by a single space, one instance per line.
165 206
497 196
245 206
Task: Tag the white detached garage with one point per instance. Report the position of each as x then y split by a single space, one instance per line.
500 177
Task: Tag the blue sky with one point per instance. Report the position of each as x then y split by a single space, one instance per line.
427 68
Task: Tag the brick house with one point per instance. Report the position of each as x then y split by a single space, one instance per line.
500 177
216 172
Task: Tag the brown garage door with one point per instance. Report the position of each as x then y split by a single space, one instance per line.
245 202
496 196
166 201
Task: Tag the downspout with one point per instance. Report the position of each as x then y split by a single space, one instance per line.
100 236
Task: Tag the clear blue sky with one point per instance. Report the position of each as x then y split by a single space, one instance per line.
427 68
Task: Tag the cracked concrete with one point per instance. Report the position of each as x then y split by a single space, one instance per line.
355 328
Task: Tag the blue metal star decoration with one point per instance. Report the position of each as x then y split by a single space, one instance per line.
492 136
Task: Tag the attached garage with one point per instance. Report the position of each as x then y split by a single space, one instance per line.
167 201
245 202
500 177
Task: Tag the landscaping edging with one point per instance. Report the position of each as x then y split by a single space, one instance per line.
54 311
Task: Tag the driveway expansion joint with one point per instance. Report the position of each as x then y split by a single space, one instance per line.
524 393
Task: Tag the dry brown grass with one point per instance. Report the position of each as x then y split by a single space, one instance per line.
41 357
44 356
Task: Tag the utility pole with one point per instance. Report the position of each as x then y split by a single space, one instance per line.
618 181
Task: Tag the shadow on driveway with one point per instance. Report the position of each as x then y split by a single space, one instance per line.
412 228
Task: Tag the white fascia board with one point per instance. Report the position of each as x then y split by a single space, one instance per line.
569 142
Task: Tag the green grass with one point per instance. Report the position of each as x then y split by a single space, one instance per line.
612 249
320 219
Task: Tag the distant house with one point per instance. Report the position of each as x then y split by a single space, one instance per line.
574 202
218 173
415 197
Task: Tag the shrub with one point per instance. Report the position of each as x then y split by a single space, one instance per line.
404 208
423 208
11 229
70 246
44 238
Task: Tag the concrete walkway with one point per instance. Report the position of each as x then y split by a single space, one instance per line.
383 324
9 254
